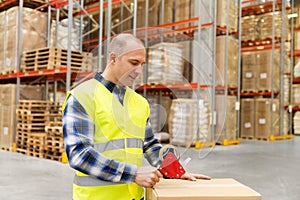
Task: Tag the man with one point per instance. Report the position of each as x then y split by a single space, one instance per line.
107 130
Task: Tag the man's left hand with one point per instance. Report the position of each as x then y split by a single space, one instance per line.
194 177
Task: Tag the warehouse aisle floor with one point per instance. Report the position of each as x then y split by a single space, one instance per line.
270 168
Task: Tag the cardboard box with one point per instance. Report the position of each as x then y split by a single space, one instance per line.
216 189
247 118
266 117
225 118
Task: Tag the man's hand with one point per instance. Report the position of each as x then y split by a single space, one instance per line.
194 177
147 176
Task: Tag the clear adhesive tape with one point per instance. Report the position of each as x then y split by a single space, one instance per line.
168 148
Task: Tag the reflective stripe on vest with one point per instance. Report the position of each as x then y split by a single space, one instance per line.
91 181
119 144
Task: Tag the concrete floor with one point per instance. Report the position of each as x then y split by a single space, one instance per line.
270 168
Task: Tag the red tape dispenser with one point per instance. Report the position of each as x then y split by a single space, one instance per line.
170 167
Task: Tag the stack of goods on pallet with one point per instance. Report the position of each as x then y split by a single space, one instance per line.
265 25
225 118
59 34
248 118
34 27
8 110
165 64
231 13
286 89
259 27
54 58
260 118
258 74
184 125
250 31
221 53
266 118
297 123
296 94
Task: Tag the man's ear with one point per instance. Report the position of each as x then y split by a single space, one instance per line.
112 57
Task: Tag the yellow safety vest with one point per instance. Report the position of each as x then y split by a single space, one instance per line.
119 135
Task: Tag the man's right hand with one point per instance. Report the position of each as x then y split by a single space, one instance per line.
147 176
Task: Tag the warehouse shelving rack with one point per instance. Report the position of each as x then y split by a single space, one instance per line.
273 43
194 30
162 34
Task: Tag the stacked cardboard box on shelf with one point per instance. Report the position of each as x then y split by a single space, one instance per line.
250 31
286 86
183 123
296 94
248 118
266 118
249 71
165 64
265 76
225 118
34 26
184 10
259 27
231 13
258 74
231 71
8 110
297 123
2 40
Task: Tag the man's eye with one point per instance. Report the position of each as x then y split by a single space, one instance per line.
135 63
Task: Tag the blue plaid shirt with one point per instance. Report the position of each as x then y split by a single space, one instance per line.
78 131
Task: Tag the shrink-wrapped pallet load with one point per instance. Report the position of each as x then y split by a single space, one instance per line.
183 125
221 54
34 27
296 94
248 118
225 118
165 64
266 118
297 123
249 71
227 9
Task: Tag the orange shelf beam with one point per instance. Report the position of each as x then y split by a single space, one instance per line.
296 80
259 48
171 86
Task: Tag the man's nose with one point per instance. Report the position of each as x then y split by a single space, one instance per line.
139 70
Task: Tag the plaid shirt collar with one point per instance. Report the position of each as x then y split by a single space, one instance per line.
108 84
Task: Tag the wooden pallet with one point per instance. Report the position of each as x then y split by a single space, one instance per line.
5 148
36 145
58 158
52 58
8 72
31 127
54 130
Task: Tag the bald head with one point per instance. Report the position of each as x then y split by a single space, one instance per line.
124 43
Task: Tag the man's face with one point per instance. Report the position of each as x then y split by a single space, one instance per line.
129 66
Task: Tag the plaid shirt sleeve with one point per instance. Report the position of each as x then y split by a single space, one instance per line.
151 146
78 131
